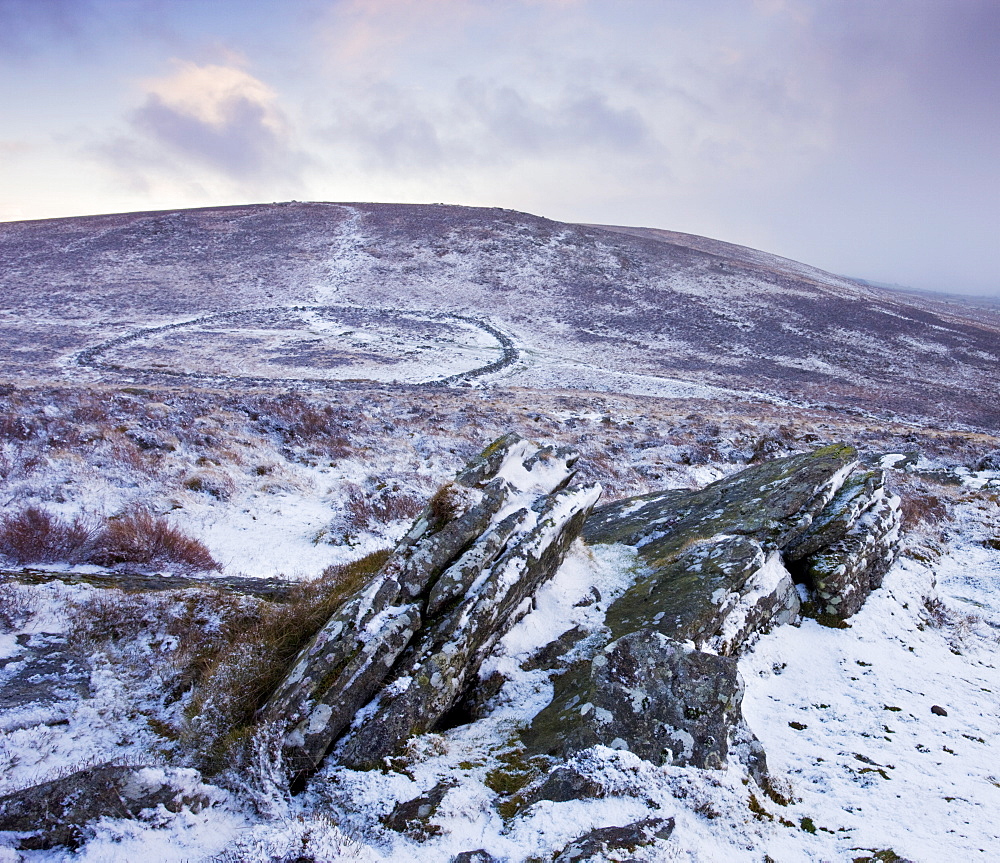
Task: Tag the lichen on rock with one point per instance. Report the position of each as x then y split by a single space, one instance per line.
665 684
396 656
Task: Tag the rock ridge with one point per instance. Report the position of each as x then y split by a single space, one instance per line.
720 566
399 654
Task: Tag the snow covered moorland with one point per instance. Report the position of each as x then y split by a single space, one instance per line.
774 636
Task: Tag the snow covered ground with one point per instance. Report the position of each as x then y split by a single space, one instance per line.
884 735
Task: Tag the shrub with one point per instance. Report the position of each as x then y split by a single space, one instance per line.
919 506
318 429
140 537
111 615
35 535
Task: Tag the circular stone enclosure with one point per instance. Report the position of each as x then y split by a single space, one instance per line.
312 343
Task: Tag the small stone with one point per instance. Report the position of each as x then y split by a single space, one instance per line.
938 710
480 855
597 844
567 783
413 816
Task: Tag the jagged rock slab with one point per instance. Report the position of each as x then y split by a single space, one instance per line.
722 591
856 495
48 670
773 503
347 661
447 653
397 655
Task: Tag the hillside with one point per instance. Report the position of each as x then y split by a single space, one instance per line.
724 584
636 311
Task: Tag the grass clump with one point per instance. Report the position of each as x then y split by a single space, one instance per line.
17 605
241 676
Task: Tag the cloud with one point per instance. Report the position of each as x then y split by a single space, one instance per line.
220 116
214 119
27 26
480 123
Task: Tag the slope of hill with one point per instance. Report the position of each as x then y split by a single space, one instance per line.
273 392
628 310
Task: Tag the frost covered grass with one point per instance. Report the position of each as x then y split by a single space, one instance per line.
295 484
244 671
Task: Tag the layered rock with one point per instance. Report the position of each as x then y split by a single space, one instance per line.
665 683
57 812
844 573
399 654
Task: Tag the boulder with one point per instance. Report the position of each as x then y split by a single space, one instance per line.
57 812
565 782
414 816
480 855
397 656
664 701
773 503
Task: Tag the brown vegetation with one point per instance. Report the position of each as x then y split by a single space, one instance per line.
35 535
246 667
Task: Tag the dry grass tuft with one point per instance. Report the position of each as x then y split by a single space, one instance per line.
248 668
444 504
17 604
379 503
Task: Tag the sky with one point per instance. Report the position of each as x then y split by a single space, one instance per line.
860 136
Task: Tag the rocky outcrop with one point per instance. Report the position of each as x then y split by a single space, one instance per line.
398 655
719 567
57 812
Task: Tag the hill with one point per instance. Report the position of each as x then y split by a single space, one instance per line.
629 310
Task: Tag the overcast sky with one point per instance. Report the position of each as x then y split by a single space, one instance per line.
862 136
